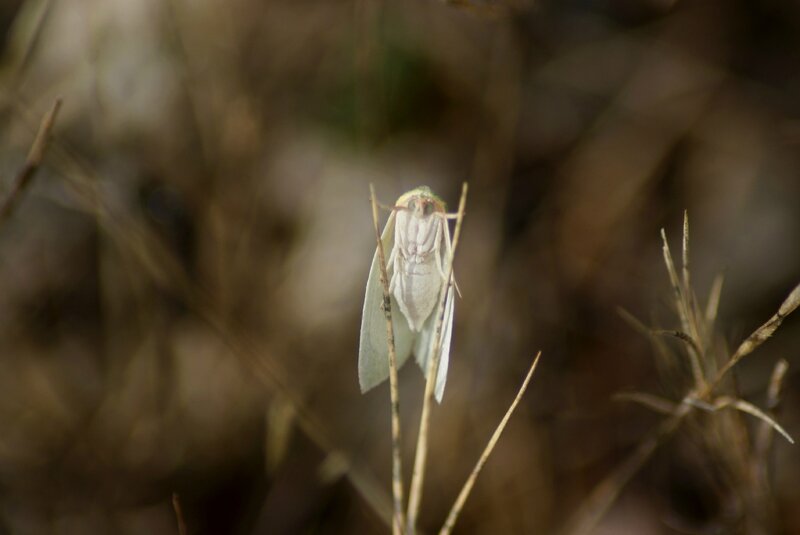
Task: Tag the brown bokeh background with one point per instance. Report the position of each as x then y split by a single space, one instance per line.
181 286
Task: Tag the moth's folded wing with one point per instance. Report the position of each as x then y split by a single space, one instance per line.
422 345
373 352
447 333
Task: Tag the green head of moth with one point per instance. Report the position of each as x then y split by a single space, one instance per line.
421 201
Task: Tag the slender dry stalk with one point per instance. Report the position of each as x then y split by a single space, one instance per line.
764 434
712 307
681 300
690 303
680 335
398 524
651 401
23 178
458 505
176 505
762 333
418 474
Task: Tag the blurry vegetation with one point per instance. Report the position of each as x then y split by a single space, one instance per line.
181 282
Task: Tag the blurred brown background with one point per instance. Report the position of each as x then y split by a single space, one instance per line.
181 287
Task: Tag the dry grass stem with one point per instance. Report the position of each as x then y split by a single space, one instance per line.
776 384
685 251
681 301
652 402
761 334
764 435
712 306
398 525
634 322
682 336
690 303
701 397
23 178
418 473
724 402
176 505
458 505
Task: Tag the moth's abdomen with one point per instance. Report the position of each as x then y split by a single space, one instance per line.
416 290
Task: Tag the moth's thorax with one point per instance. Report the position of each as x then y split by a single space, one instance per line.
418 221
417 276
415 236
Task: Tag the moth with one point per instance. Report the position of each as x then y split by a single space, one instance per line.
417 240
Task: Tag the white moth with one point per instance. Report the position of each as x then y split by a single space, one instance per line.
418 241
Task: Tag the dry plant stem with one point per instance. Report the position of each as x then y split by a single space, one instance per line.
418 474
467 488
650 401
607 491
32 162
712 306
397 467
692 314
683 312
176 505
762 333
765 435
680 335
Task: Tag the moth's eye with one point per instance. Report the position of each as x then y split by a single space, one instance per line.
428 210
412 205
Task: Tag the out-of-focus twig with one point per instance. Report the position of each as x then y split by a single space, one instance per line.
23 178
765 435
176 505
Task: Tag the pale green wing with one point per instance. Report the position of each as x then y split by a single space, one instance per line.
422 347
447 333
373 352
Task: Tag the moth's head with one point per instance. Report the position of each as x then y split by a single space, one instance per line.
421 202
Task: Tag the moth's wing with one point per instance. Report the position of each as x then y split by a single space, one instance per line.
447 323
422 346
447 332
373 351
